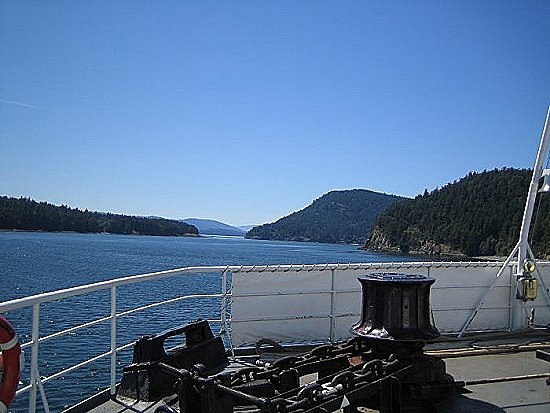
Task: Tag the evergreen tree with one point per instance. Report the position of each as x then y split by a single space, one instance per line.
26 214
478 215
336 217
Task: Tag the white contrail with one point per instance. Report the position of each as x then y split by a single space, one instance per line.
22 104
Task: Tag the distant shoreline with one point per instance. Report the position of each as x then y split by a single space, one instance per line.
439 257
188 235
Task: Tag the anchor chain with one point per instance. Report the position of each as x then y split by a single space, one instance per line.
344 370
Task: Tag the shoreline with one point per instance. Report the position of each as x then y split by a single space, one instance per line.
190 235
439 257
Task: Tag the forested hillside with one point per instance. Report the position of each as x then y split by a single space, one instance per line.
478 215
26 214
338 216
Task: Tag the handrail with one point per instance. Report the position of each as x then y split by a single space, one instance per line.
133 279
101 285
35 301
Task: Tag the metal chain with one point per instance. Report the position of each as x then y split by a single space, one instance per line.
310 396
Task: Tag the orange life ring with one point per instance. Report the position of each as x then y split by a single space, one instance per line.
10 350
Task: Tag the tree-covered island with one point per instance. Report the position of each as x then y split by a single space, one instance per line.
28 215
478 215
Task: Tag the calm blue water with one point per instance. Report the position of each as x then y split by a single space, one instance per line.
32 263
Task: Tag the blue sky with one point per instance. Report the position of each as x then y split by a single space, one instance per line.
246 111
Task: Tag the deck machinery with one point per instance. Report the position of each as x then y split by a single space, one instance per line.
383 366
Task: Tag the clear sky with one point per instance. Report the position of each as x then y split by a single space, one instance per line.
246 111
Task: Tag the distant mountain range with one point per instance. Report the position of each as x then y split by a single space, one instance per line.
336 217
212 227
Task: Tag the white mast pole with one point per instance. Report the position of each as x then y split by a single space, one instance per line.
517 318
532 194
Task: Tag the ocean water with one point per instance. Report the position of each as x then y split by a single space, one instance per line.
33 263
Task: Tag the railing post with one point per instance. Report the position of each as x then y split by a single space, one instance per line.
332 305
34 356
113 340
224 298
43 395
511 298
223 311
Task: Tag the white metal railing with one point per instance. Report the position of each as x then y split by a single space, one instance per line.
299 281
36 381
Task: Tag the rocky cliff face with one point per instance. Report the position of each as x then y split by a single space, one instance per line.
380 241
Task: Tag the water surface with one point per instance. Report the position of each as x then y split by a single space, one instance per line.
34 262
